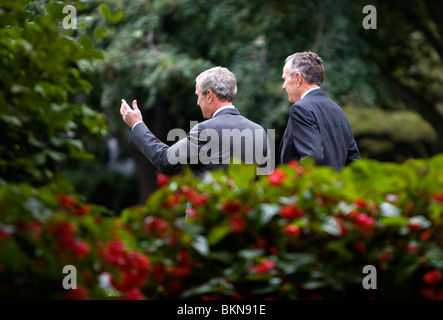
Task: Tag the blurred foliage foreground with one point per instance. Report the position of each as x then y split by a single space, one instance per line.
303 232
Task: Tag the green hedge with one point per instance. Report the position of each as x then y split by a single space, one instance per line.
304 232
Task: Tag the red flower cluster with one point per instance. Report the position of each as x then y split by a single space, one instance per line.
236 218
170 277
65 233
156 226
162 179
132 266
438 197
292 230
432 277
296 165
195 198
291 212
364 222
237 223
80 293
4 233
231 206
70 203
276 178
263 267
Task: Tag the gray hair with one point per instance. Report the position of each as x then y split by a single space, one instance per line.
309 64
219 80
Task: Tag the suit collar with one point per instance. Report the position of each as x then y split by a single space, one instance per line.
311 91
227 111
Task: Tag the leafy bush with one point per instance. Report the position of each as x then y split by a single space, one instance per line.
303 232
42 67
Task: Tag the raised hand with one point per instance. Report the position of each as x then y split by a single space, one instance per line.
130 115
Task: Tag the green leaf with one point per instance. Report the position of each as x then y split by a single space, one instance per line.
86 42
12 256
217 233
264 213
201 245
213 285
242 174
113 18
186 226
394 221
100 32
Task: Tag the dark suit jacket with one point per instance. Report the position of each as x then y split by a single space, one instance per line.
212 144
318 128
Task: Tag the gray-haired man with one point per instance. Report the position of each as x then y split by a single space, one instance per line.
226 137
317 126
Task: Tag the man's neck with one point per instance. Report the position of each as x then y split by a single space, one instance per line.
221 105
309 88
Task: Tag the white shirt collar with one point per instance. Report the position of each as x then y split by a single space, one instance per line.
307 91
223 108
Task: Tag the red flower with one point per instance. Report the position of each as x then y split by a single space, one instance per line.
183 258
172 201
261 243
156 226
360 247
67 201
200 200
438 197
291 212
432 277
133 271
80 293
273 250
81 211
412 247
425 235
361 203
191 212
35 228
414 226
276 178
432 294
385 256
231 206
115 251
65 233
292 230
364 222
195 198
162 179
237 223
80 248
4 233
181 271
159 272
295 164
133 294
264 267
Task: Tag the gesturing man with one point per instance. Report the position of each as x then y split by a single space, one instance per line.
317 126
226 137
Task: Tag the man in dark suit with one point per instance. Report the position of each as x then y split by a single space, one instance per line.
226 137
317 127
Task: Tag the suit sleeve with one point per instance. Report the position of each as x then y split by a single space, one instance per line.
150 146
163 157
353 152
306 134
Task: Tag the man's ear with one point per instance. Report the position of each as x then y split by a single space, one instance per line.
209 94
298 77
